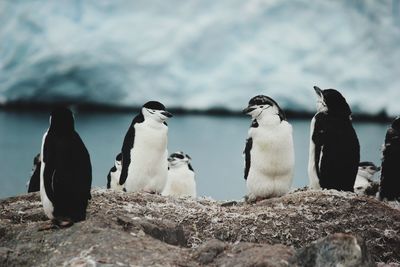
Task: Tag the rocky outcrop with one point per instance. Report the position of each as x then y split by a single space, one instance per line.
303 228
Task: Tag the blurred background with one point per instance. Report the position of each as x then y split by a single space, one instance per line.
204 60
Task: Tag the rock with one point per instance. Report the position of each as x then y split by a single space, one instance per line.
166 232
143 229
207 252
336 250
248 254
4 253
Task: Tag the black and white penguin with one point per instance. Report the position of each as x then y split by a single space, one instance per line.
34 182
269 151
181 177
66 172
334 148
365 184
390 173
114 174
144 151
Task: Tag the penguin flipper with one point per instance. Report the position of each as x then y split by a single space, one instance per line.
249 145
318 137
126 148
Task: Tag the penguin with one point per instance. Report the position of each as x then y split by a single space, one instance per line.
364 184
144 150
390 172
181 177
34 181
114 174
334 152
66 171
269 150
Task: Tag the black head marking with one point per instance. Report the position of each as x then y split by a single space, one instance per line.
266 100
335 102
36 159
396 124
178 155
154 105
118 157
62 121
367 164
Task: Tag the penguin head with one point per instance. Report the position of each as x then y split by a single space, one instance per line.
61 121
178 159
396 124
36 160
154 110
332 102
118 160
368 167
262 106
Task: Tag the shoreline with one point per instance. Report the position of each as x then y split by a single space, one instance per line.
381 117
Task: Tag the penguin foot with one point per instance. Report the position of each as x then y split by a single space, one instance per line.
63 222
253 199
47 226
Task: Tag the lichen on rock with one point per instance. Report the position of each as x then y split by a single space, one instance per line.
144 229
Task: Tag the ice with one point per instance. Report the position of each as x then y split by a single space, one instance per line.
201 54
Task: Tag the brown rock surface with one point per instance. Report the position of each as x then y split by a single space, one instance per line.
142 229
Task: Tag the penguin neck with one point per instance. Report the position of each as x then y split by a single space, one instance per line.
154 123
268 120
365 174
179 166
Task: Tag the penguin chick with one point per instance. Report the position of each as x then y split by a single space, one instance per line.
114 174
181 177
34 182
364 184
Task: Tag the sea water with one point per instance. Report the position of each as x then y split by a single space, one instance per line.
215 144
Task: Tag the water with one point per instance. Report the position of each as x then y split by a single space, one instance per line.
214 143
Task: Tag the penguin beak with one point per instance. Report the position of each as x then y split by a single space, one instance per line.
318 90
248 110
166 114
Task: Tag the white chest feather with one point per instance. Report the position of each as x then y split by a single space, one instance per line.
149 166
114 183
363 181
180 182
47 205
272 160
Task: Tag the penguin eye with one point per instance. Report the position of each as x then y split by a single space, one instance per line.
261 106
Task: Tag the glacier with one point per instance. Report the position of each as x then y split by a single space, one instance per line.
200 54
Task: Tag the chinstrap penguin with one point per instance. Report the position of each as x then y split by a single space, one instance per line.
334 148
181 177
66 172
34 182
114 174
390 173
269 151
364 184
144 151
